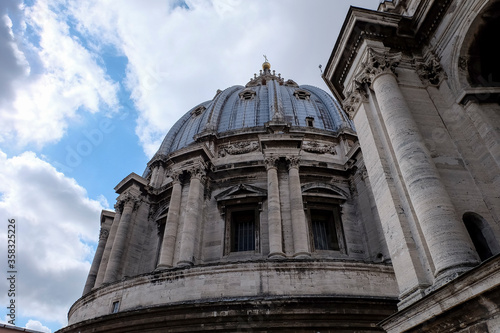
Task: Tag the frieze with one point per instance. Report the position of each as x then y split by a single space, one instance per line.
238 148
318 148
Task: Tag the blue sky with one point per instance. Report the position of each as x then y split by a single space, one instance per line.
88 89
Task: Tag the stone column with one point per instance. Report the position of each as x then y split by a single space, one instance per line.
159 175
299 225
109 245
103 236
446 237
274 210
116 255
192 217
172 223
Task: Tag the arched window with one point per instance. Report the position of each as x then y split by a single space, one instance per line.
483 65
477 228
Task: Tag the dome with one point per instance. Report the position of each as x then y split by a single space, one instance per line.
264 98
250 206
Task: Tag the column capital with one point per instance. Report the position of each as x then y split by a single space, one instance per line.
430 71
376 64
118 207
353 100
103 234
157 160
129 200
293 161
197 172
271 162
176 176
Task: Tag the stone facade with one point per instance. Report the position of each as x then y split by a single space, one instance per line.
413 78
273 208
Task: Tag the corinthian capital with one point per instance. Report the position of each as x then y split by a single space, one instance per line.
271 162
293 162
352 101
129 200
176 175
157 160
198 172
430 71
103 234
376 64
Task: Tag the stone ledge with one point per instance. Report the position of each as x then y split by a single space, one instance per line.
462 303
293 278
261 314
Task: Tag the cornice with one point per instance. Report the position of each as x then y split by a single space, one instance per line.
397 32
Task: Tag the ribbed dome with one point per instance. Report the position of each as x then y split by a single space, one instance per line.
264 98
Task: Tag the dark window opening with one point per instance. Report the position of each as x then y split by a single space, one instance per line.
196 112
474 224
243 231
302 94
483 64
161 231
115 307
323 230
310 121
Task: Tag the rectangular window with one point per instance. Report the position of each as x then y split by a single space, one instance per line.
324 230
243 230
116 306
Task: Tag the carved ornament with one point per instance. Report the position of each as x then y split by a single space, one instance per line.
176 175
157 160
271 162
376 64
198 172
318 148
103 234
293 162
238 148
129 200
430 72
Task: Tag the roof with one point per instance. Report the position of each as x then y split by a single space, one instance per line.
246 108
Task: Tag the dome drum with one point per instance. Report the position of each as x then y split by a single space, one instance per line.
253 195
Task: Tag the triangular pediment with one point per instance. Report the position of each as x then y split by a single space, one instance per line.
241 191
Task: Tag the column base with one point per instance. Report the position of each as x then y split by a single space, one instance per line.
302 255
162 267
276 255
184 263
446 275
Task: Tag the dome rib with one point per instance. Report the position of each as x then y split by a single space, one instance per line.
270 98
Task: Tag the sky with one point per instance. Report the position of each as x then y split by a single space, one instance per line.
89 89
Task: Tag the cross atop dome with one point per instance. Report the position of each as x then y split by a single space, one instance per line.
266 66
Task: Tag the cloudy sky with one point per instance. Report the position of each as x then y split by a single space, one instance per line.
88 89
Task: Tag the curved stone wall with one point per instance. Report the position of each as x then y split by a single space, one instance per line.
290 278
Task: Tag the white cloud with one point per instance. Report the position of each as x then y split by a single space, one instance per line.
179 57
68 81
36 325
56 230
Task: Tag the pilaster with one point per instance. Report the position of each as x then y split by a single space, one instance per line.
274 209
299 225
193 215
130 203
172 223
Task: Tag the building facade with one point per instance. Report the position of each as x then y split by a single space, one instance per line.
274 208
